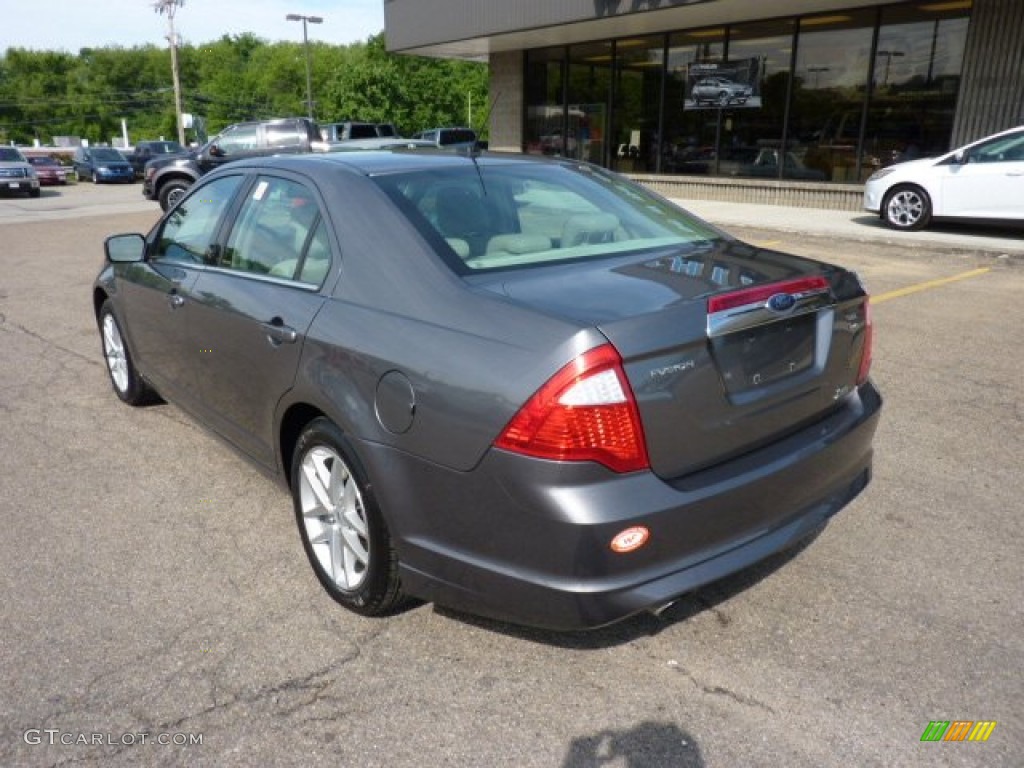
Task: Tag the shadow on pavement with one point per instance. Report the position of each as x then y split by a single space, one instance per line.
648 745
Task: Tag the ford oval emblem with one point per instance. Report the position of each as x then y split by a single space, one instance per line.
781 302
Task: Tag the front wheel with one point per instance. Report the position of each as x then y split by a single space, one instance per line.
343 532
907 208
127 383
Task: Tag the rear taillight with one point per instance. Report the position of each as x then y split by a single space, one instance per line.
867 348
585 412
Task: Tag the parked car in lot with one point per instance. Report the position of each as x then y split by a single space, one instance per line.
449 137
524 387
356 130
166 179
720 90
102 165
17 175
49 170
144 151
981 181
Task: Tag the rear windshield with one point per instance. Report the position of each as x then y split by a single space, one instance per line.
524 215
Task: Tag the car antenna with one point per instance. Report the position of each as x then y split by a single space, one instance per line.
474 151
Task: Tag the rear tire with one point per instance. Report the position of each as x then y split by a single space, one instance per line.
907 208
343 532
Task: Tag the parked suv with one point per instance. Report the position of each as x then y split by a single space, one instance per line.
167 179
144 151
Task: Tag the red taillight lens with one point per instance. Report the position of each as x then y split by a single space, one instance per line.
585 412
868 348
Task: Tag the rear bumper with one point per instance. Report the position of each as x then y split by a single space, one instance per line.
528 541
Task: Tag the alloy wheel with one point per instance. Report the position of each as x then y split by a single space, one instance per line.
334 517
114 351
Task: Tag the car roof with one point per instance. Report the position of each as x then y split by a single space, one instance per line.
372 162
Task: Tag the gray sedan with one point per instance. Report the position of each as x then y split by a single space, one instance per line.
522 387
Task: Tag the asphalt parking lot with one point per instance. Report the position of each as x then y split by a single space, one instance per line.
154 584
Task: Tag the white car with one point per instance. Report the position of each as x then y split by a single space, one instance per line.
983 180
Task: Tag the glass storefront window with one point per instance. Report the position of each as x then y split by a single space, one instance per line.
589 91
828 97
916 81
752 133
639 68
545 100
829 87
690 134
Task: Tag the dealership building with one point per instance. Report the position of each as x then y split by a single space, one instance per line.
788 101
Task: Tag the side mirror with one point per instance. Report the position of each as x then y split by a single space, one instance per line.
960 157
216 151
125 249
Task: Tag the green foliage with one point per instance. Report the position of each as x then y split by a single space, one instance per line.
45 93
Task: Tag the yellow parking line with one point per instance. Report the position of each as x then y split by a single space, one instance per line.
930 284
765 243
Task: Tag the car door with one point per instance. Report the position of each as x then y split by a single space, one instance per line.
254 307
157 294
989 183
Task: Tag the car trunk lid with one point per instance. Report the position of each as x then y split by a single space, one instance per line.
726 347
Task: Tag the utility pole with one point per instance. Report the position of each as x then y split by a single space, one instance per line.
170 7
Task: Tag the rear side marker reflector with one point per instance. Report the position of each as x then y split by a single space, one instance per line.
630 539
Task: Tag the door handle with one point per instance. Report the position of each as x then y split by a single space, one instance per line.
175 300
278 333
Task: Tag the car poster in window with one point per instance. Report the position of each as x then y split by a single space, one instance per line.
716 85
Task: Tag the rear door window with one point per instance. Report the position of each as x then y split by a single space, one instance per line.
279 232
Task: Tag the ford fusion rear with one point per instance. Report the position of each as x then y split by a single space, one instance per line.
524 388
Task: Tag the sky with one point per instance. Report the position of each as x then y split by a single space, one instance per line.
69 25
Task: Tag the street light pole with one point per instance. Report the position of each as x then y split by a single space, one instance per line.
305 44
